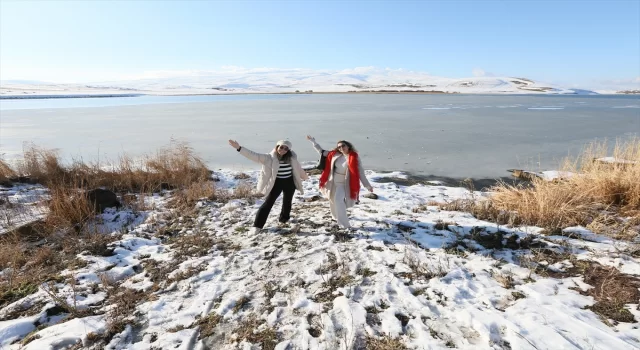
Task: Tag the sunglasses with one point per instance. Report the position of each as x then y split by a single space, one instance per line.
284 148
342 146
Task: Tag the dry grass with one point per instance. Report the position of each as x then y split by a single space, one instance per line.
599 188
196 244
241 304
506 280
242 191
61 300
186 274
552 205
33 255
40 163
184 247
174 166
28 265
267 337
19 310
187 197
68 208
384 343
122 305
338 276
207 324
479 208
365 272
6 173
615 226
157 271
612 290
95 244
421 270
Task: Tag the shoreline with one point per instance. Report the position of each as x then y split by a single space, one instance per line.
108 95
46 97
407 178
479 184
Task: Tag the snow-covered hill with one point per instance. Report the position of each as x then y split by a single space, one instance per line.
269 80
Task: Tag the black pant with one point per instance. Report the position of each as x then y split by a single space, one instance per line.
282 185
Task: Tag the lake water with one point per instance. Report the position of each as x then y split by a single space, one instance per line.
450 135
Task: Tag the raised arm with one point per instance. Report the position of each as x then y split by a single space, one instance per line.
363 178
317 146
249 154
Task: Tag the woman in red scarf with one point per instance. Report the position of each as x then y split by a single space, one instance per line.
341 178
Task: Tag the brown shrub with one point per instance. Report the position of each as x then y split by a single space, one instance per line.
6 173
187 197
242 191
579 199
26 267
552 205
174 166
68 208
41 164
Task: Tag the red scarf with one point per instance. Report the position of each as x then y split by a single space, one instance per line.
354 173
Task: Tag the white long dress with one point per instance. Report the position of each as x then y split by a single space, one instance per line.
337 188
338 193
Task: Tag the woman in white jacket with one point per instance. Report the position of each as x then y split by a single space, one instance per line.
341 178
281 173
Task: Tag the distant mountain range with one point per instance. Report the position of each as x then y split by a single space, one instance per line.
232 80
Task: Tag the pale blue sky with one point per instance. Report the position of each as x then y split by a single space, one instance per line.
567 42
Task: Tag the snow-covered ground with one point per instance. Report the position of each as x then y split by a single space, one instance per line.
20 205
239 80
411 272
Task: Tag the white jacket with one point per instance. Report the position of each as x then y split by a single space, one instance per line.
326 191
270 165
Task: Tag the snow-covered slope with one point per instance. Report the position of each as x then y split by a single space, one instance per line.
410 276
267 80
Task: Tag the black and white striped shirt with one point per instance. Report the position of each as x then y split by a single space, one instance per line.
284 171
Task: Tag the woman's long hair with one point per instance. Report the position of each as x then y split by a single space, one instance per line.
349 144
285 157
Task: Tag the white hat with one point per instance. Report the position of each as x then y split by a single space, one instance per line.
284 142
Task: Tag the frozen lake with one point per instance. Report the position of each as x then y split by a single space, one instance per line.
450 135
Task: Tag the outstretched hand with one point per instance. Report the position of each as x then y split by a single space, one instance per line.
234 144
310 138
370 189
